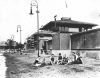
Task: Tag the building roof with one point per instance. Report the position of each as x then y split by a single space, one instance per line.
68 23
81 33
48 33
41 33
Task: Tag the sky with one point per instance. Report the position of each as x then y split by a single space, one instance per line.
16 12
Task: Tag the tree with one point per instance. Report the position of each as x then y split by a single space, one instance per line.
10 43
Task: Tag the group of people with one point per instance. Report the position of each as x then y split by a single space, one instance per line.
61 60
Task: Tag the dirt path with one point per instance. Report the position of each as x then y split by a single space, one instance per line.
21 66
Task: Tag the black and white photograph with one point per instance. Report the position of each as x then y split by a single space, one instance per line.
49 38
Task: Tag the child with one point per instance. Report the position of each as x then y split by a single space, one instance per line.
37 62
64 60
59 59
75 56
43 63
52 59
77 59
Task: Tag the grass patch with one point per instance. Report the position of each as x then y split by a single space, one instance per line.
96 64
77 70
89 68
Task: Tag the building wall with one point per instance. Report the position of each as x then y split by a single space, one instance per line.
76 42
56 42
89 40
64 41
56 52
87 44
49 44
61 41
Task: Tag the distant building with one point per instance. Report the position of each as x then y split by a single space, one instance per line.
2 45
30 42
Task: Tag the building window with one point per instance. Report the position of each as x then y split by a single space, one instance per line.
66 28
73 29
63 29
83 29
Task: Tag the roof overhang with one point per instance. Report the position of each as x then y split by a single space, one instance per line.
86 32
68 23
44 33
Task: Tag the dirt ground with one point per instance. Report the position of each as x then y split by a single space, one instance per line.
21 66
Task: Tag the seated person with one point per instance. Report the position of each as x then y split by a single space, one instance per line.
52 59
43 63
59 59
37 62
64 60
77 59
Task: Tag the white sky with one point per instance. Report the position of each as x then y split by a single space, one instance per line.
16 12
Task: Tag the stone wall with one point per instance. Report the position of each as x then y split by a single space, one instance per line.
56 52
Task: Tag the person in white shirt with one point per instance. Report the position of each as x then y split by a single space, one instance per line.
77 59
37 62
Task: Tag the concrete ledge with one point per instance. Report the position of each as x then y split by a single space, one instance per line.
95 54
56 52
